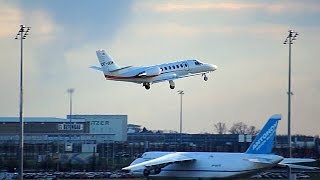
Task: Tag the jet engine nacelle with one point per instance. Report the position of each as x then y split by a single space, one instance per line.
163 77
154 71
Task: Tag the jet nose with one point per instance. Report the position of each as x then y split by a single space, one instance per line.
213 67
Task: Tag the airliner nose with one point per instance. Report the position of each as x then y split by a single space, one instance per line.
213 67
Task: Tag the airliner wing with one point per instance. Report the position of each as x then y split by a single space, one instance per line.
288 162
160 162
296 160
173 76
189 75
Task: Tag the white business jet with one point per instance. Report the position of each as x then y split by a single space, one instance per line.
148 75
216 164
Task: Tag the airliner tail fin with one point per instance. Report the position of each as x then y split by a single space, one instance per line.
263 143
106 62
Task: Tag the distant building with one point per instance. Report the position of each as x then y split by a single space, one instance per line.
97 128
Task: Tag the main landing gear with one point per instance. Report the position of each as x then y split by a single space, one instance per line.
147 172
146 85
172 85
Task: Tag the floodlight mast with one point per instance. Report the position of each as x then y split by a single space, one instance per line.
181 94
22 34
289 40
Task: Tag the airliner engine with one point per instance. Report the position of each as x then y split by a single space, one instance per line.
163 77
153 71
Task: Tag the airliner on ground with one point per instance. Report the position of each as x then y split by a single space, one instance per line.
148 75
216 164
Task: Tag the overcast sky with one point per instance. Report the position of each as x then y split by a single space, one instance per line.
244 38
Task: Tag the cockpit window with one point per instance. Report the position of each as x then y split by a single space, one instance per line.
197 63
138 155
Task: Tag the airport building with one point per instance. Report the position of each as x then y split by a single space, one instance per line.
98 128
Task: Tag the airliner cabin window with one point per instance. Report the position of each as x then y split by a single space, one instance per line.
161 69
169 67
173 67
165 68
185 65
181 65
177 66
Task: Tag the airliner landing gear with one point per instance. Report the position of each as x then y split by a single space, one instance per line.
205 78
172 85
157 170
146 85
146 172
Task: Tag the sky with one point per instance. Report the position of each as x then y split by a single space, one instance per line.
244 38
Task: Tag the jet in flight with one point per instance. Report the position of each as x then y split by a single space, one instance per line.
147 75
216 164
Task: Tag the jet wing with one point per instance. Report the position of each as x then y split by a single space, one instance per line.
189 75
160 162
296 160
288 162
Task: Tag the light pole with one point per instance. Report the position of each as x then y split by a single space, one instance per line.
181 93
70 91
289 40
22 34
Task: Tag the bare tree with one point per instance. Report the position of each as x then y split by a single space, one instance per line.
242 128
220 128
252 130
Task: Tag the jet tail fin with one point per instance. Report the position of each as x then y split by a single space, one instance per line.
263 143
106 62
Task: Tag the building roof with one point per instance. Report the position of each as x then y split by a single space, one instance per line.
38 120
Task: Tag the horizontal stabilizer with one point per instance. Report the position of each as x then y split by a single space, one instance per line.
96 68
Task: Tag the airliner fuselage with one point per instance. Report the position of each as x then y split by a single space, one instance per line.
210 164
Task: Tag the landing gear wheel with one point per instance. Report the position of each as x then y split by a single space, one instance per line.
172 85
146 85
146 172
157 170
205 78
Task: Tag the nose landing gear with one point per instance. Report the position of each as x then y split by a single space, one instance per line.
205 78
146 85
